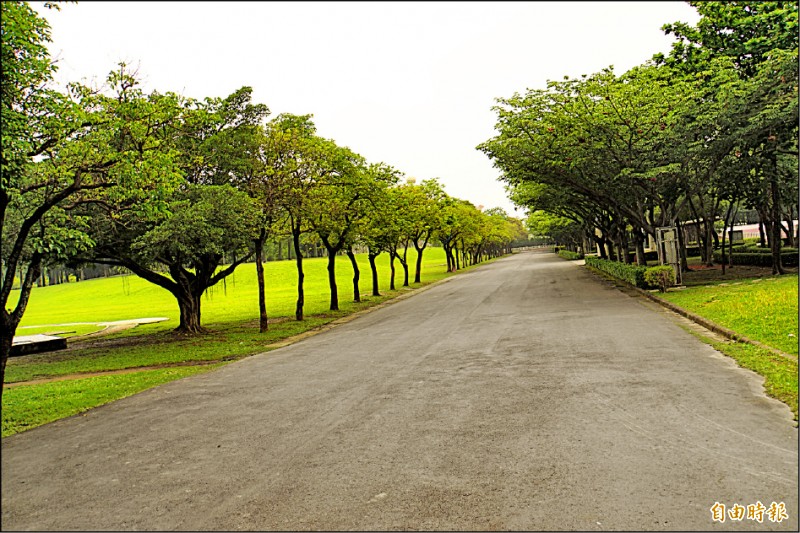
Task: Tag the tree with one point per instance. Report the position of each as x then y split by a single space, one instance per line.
339 199
297 165
206 225
421 213
59 153
746 32
454 223
205 220
760 40
378 229
604 139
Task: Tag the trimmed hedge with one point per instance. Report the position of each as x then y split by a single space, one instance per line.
661 277
760 258
633 274
566 254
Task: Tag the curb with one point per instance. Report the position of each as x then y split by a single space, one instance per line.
706 323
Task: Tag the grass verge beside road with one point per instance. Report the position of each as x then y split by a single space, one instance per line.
763 309
31 406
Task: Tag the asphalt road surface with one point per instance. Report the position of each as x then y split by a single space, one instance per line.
525 395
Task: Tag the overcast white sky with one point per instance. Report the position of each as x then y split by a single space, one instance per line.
410 84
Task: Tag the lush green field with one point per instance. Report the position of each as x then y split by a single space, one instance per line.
763 309
232 300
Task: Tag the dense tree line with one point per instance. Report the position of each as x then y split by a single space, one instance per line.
694 135
181 192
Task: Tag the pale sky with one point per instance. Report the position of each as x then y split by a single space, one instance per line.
410 84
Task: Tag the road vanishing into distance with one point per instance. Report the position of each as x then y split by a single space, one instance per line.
527 394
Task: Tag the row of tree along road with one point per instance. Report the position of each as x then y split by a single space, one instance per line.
181 192
691 136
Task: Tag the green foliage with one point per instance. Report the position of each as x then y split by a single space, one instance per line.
566 254
633 274
662 276
762 257
743 31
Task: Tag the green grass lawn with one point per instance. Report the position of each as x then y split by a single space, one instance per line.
763 309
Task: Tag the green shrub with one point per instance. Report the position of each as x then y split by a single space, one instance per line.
566 254
763 257
662 277
633 274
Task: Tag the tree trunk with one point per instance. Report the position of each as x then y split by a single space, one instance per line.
6 339
725 225
263 321
404 263
189 307
332 280
790 228
418 269
356 274
776 241
298 313
639 240
392 255
681 246
374 270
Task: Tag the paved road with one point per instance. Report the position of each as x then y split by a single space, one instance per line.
524 395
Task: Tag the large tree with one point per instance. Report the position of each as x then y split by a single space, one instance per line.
297 164
60 153
206 225
337 202
758 126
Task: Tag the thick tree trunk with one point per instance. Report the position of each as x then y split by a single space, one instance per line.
356 275
189 307
332 280
374 270
639 240
298 312
263 321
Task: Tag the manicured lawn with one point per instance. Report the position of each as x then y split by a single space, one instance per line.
763 309
29 406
